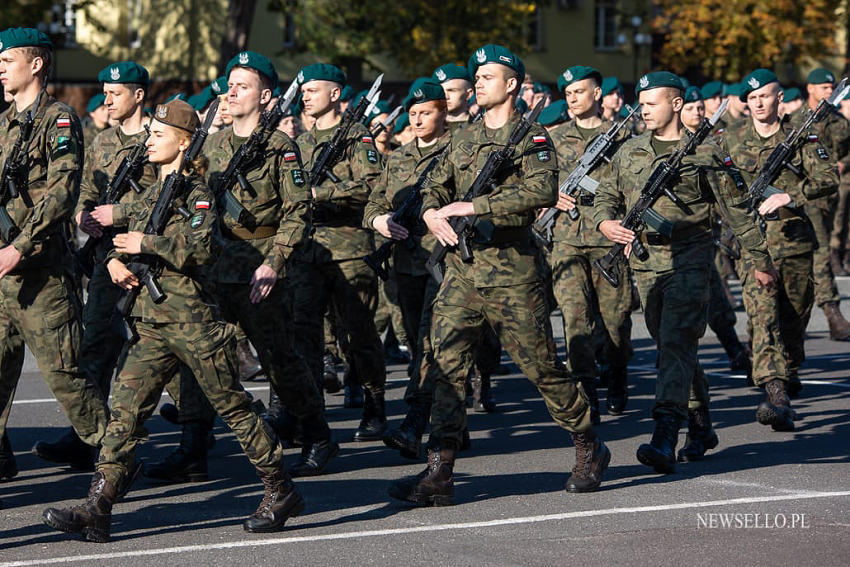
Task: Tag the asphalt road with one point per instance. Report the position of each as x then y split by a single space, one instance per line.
511 507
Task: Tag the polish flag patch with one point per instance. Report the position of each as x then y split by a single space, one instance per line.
813 137
200 205
63 122
538 139
727 161
290 156
367 140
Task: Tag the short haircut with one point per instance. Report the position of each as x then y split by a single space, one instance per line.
46 55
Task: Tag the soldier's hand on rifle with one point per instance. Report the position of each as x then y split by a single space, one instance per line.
614 231
121 276
440 228
89 224
262 283
565 202
103 215
388 228
766 279
9 259
773 202
128 243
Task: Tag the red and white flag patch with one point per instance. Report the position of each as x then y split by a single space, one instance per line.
367 139
538 139
290 156
727 161
813 137
63 122
200 205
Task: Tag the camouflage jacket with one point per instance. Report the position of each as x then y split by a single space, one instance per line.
278 209
510 256
792 234
703 183
90 132
833 133
338 207
570 145
103 157
54 165
186 249
402 171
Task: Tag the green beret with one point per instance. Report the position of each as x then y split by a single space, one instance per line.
124 72
347 93
472 100
756 80
693 94
791 94
732 89
625 109
555 113
492 53
95 102
609 84
712 89
278 91
685 83
540 88
658 79
380 108
219 86
820 76
521 106
451 71
402 123
423 89
23 37
177 96
201 100
179 114
253 60
578 73
321 72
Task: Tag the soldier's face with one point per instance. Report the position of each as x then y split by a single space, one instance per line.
493 84
120 101
289 126
820 92
319 97
659 107
384 136
582 96
245 94
764 102
16 72
613 101
712 104
428 120
692 114
457 92
164 143
224 110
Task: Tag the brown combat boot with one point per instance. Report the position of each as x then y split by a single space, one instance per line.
776 410
835 263
249 366
93 518
280 502
839 328
592 458
432 487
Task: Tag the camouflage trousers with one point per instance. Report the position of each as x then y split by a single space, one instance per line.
208 349
351 287
388 311
591 308
794 298
37 308
820 212
721 315
675 305
840 236
519 317
101 346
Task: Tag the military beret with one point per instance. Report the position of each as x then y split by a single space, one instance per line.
380 108
124 72
472 100
23 37
686 84
610 84
712 89
451 71
177 96
540 88
732 89
521 106
278 91
756 80
492 53
578 73
95 102
658 79
402 123
321 72
423 89
820 76
555 113
791 94
201 100
219 86
625 110
253 60
693 94
179 114
347 93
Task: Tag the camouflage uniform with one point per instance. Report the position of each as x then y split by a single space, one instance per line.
184 328
790 241
673 281
37 299
502 284
90 132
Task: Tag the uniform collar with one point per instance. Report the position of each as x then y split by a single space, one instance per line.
411 149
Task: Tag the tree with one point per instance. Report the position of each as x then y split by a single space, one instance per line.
240 15
726 39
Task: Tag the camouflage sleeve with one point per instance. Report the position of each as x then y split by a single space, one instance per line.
439 189
123 212
364 168
89 193
378 204
539 185
841 140
191 245
609 201
65 156
295 207
821 174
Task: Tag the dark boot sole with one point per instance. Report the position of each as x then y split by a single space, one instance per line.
376 435
592 487
648 456
96 535
436 500
767 415
689 453
295 472
406 450
8 471
296 510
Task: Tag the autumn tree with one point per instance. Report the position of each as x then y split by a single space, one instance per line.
725 39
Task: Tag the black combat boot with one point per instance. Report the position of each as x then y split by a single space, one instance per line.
280 502
618 390
660 452
353 387
374 422
284 424
171 414
188 462
8 466
407 437
249 366
482 396
592 458
330 380
739 355
92 518
319 448
68 450
589 386
775 410
432 487
701 436
793 386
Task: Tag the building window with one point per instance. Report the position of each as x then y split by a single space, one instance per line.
288 30
605 31
536 31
